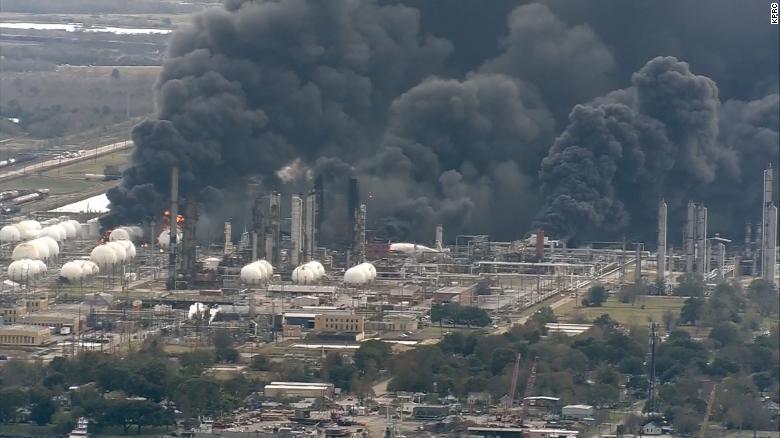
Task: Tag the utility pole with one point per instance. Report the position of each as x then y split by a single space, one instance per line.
651 394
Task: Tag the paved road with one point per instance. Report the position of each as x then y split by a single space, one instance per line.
52 164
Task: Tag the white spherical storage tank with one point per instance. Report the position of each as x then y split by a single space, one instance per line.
25 250
42 248
269 269
10 234
89 267
308 273
252 274
40 267
363 273
164 239
54 248
76 227
119 249
31 224
129 248
103 256
70 230
55 232
72 271
21 270
119 234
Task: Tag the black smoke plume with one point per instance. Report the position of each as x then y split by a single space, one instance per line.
483 116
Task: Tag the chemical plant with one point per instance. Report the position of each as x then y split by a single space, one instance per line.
70 286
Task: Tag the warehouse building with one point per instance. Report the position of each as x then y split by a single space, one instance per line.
23 335
298 389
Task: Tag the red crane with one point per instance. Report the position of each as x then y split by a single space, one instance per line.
529 389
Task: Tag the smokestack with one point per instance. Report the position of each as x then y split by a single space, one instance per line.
174 213
353 199
540 244
439 238
296 230
310 220
638 270
768 229
702 250
360 235
661 255
688 236
769 260
229 239
319 191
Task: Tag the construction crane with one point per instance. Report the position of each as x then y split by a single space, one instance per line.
529 389
707 412
513 386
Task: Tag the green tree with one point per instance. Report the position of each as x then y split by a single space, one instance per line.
692 310
764 295
372 356
42 406
260 363
544 315
223 347
725 333
690 285
194 362
11 399
595 297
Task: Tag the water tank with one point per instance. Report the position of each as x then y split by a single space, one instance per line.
103 256
25 251
10 234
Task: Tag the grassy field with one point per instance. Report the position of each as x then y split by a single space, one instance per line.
645 309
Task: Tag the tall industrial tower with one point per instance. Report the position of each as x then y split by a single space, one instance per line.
296 230
360 235
310 225
661 255
689 237
702 250
768 230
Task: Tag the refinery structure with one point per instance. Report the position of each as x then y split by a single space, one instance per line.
71 286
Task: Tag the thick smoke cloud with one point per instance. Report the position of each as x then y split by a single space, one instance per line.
249 91
483 116
622 153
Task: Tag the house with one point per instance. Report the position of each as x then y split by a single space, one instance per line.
651 428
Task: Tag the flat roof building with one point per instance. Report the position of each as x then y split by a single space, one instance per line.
24 335
298 389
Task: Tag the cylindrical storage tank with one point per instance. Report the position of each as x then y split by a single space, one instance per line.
93 226
54 248
252 274
129 248
42 248
103 256
119 234
10 234
119 249
25 251
137 304
72 271
356 275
